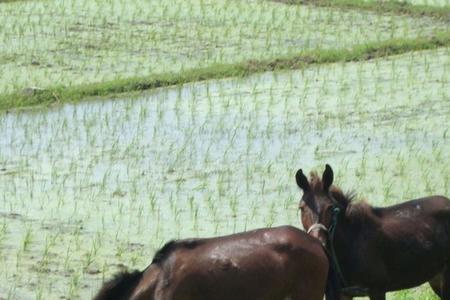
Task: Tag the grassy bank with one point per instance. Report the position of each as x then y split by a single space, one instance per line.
389 7
306 58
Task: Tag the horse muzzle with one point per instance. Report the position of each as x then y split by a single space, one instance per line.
315 231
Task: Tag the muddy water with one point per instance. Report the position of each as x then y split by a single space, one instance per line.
91 187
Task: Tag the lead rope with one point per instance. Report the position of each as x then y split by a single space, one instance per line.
331 232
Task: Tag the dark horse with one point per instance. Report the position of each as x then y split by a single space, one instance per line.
265 264
375 250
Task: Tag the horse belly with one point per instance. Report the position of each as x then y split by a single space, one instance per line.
226 288
415 266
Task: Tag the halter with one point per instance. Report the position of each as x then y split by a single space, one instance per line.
331 232
317 226
330 239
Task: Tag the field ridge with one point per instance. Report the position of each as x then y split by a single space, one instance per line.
219 71
392 7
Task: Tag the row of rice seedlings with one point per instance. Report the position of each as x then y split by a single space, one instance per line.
48 43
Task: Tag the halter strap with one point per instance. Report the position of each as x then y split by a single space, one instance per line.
329 247
317 226
332 231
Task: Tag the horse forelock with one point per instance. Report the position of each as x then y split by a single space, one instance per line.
353 211
315 182
316 185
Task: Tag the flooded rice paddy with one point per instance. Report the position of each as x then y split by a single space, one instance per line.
67 43
92 187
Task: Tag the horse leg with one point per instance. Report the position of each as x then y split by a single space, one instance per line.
437 283
377 295
335 295
445 290
309 290
306 295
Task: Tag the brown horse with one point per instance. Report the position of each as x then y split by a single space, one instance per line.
265 264
376 250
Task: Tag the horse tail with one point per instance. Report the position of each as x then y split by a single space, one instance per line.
120 287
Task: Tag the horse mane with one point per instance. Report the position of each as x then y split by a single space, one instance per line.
344 199
120 286
353 210
123 283
162 254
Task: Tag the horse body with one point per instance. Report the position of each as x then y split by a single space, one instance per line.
382 249
395 247
274 264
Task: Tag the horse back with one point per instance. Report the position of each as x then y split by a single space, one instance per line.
432 206
271 263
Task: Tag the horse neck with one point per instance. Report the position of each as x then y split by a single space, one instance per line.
346 242
342 243
147 285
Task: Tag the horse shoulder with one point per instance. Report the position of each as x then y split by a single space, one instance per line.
295 245
147 286
290 237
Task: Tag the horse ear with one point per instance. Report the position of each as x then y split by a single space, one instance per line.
302 181
327 178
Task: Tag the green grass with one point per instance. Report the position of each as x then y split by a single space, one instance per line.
384 7
216 71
